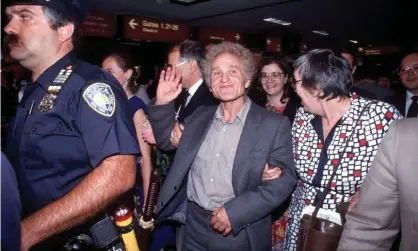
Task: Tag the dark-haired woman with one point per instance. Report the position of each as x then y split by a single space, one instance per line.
122 68
275 75
323 127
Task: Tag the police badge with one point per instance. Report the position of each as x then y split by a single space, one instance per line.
54 89
47 102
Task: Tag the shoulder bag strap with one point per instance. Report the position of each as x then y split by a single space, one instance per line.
328 187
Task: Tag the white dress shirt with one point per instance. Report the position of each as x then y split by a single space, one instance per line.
408 102
192 90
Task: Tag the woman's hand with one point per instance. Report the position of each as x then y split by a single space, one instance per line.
147 133
271 173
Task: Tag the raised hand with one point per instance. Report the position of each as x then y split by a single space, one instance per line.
169 87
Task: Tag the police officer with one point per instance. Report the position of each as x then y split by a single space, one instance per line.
72 143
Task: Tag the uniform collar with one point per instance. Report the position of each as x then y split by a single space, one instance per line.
49 74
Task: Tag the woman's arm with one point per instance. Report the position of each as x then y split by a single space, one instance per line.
146 163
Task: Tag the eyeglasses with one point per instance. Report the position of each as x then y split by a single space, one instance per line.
182 63
264 76
177 65
413 69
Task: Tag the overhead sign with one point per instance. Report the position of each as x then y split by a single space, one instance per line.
208 34
378 50
99 25
273 44
136 28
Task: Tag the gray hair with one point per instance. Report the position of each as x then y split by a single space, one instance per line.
57 20
191 50
244 55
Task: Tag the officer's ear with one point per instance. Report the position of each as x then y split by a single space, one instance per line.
128 74
65 32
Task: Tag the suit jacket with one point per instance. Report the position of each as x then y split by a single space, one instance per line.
374 92
388 198
265 139
202 96
400 101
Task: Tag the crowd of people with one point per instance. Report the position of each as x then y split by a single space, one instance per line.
240 167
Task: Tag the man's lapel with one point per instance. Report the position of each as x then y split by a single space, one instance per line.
198 127
248 139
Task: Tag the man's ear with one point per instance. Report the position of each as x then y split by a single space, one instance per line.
193 66
247 84
66 32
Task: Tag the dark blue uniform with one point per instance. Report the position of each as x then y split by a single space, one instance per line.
53 151
10 208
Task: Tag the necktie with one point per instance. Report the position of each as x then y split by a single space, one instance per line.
413 108
185 97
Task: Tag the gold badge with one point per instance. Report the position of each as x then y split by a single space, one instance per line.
47 102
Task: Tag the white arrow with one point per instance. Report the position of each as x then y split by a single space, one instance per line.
237 37
268 41
132 23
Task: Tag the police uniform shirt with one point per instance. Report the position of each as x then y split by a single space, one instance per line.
53 151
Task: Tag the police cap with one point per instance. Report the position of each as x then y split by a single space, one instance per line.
74 10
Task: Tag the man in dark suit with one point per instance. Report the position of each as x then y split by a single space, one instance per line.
407 98
215 183
187 57
367 88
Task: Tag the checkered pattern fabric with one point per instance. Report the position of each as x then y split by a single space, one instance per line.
357 158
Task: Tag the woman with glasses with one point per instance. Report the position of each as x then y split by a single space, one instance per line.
275 75
328 122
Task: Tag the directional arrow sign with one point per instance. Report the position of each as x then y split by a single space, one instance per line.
208 34
137 28
132 23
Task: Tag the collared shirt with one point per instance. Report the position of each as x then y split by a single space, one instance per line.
53 151
210 177
192 90
408 102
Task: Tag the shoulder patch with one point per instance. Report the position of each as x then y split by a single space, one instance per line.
100 97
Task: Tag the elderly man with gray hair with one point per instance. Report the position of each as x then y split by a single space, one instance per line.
215 185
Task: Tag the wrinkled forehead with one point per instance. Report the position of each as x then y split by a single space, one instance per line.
226 59
17 9
410 60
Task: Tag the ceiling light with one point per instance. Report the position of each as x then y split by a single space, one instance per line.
353 41
276 21
320 32
188 2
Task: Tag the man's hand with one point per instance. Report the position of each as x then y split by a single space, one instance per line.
353 199
271 173
148 134
220 221
169 86
176 134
